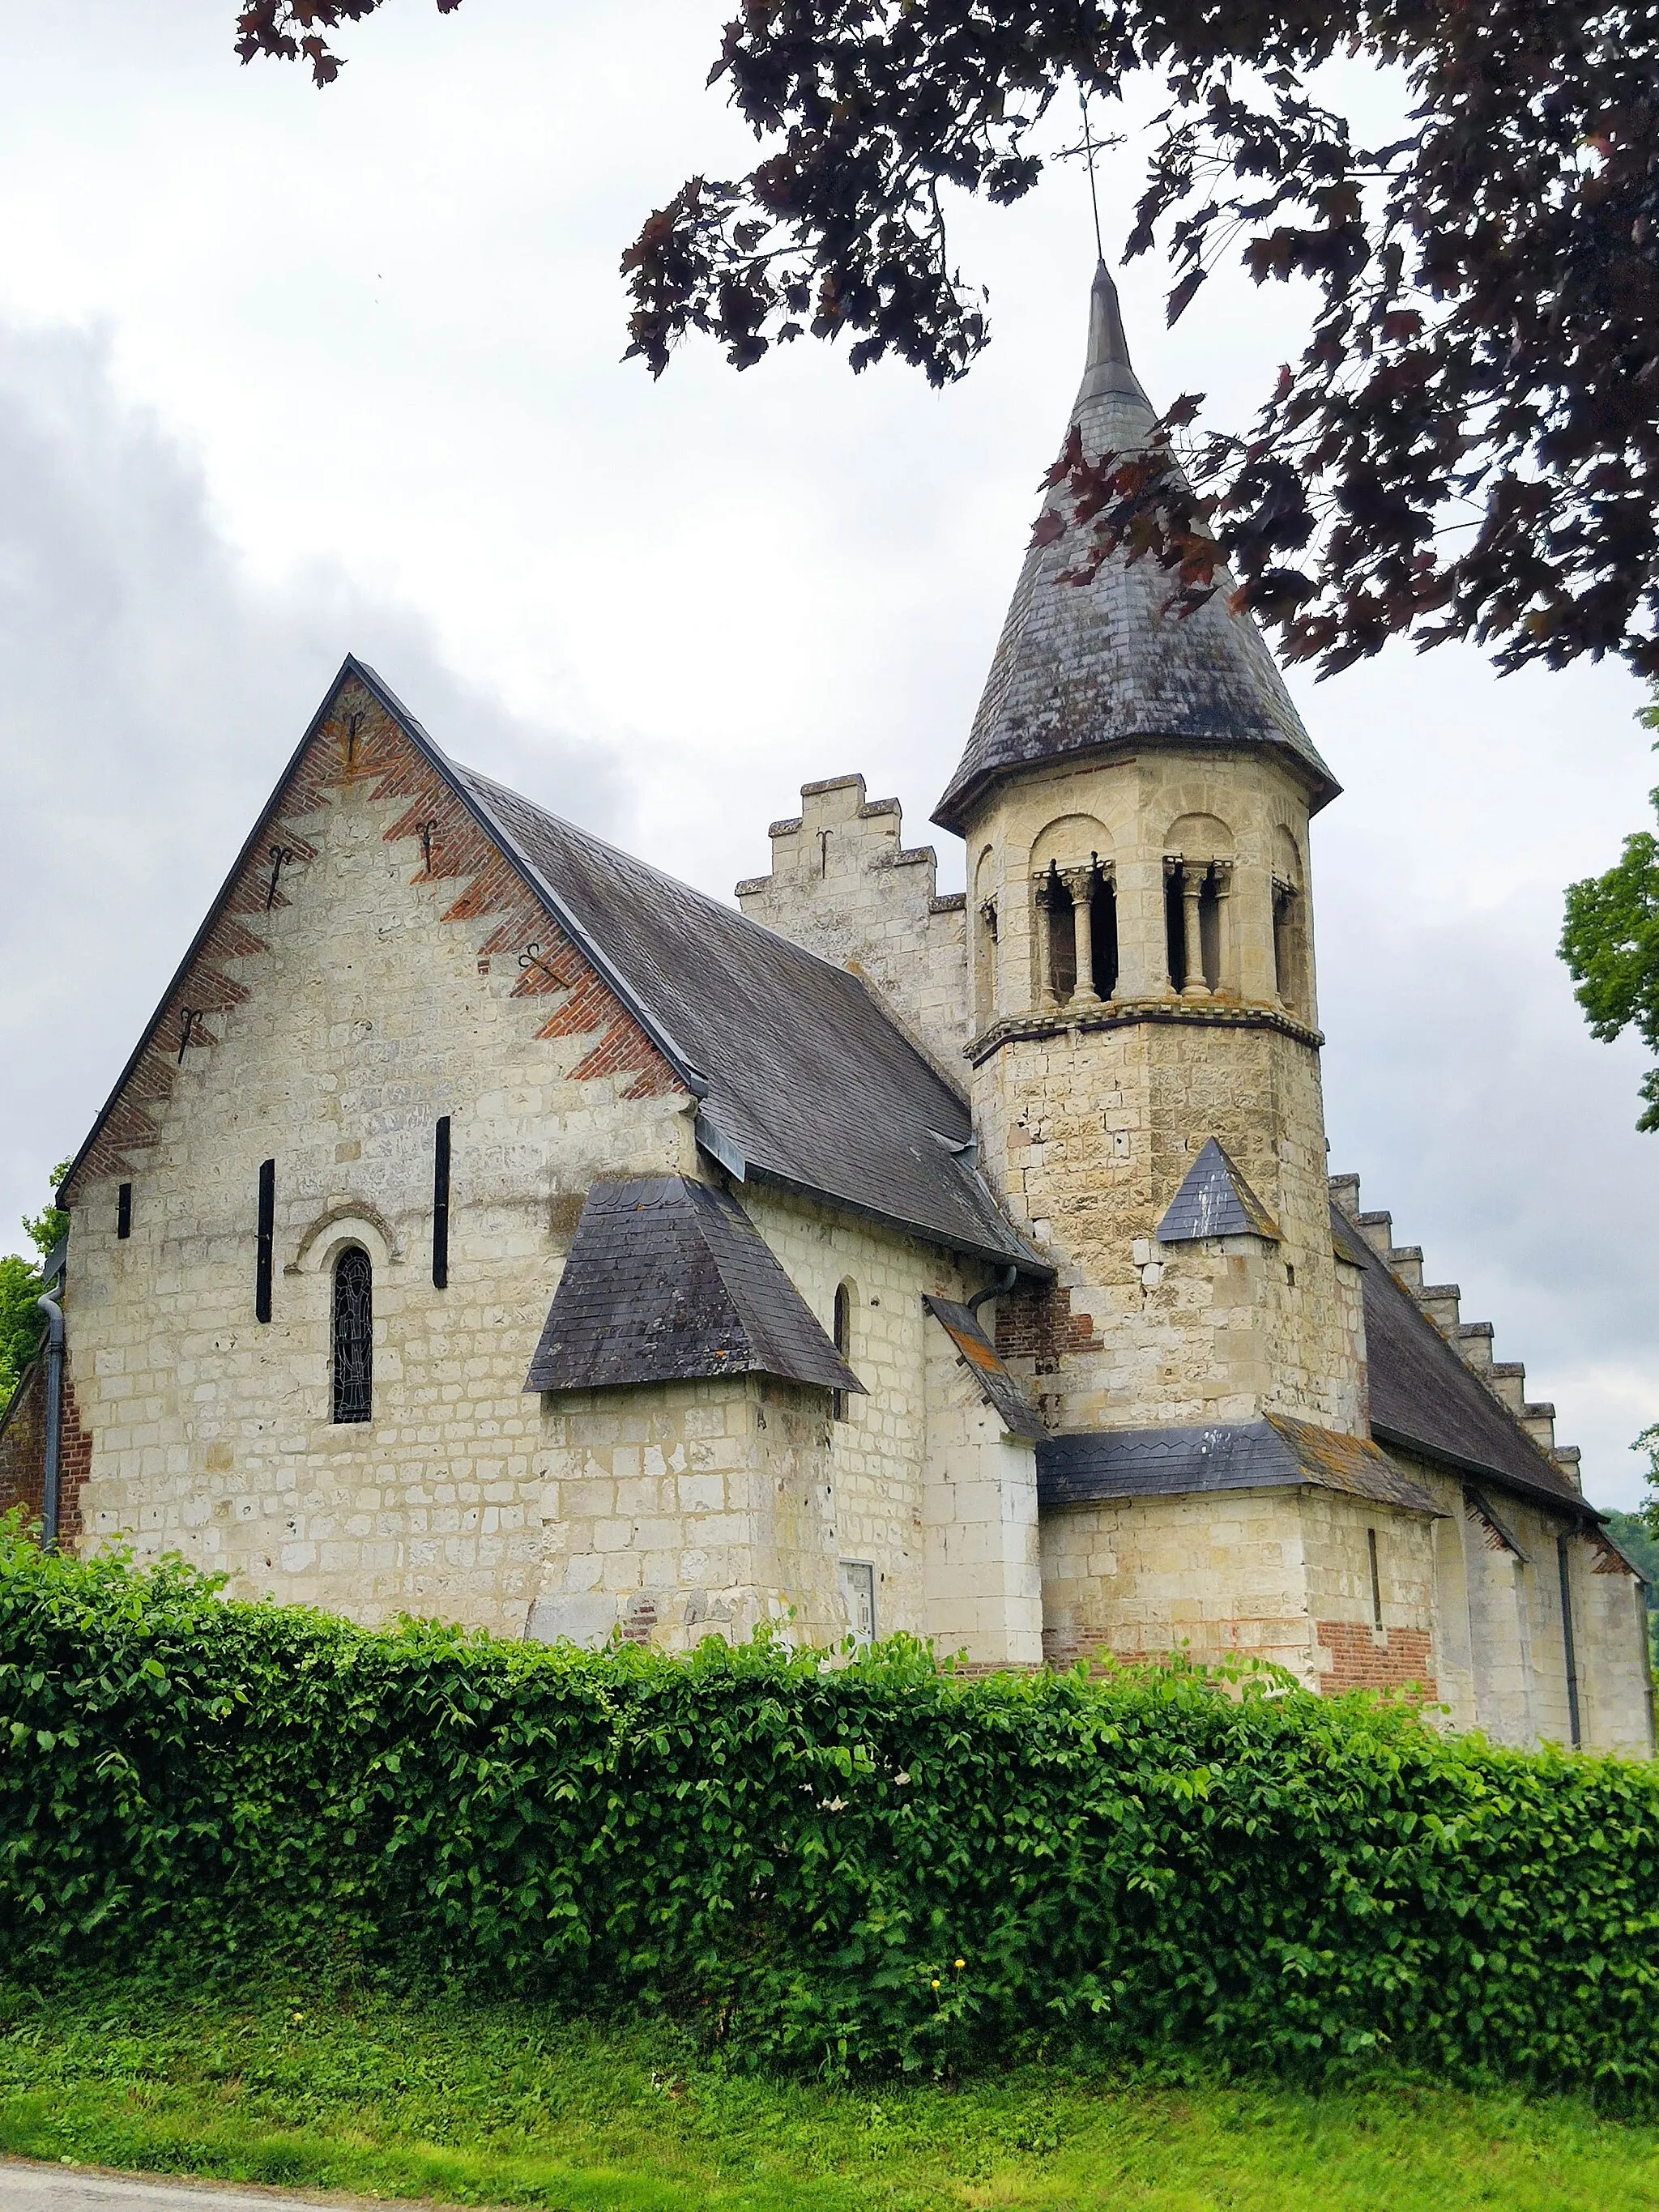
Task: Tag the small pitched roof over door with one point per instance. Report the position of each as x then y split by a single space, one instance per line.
1082 667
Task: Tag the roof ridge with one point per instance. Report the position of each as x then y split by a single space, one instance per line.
727 912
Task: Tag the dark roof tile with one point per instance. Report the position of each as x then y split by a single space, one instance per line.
668 1280
1424 1398
979 1356
1215 1200
1268 1455
1079 667
809 1080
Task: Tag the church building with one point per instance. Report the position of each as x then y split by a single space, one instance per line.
488 1226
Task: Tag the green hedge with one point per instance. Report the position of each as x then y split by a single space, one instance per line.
879 1864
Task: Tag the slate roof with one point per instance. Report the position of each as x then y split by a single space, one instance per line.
1266 1455
1214 1200
668 1280
807 1080
1079 667
1424 1399
1002 1391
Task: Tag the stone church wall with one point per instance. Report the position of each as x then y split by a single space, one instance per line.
1221 1576
381 990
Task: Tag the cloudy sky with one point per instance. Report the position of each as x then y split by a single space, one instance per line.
284 374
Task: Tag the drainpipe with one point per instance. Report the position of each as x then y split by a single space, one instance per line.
54 1314
1004 1283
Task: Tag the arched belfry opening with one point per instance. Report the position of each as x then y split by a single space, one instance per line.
985 942
1074 913
1290 932
1198 881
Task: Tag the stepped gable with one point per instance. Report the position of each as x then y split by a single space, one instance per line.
1082 667
1214 1200
668 1281
1425 1398
803 1076
979 1356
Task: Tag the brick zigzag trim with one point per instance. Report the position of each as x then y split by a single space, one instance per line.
358 742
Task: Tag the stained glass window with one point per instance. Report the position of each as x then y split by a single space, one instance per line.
354 1335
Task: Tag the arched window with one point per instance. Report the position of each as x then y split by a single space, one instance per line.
843 1335
354 1335
985 942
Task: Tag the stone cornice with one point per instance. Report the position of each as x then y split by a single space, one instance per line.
1116 1013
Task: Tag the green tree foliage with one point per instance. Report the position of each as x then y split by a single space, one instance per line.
22 1325
1467 445
1611 944
1636 1533
881 1865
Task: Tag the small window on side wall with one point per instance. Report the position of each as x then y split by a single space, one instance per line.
858 1595
354 1336
843 1336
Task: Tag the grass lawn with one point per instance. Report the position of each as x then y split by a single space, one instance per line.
474 2104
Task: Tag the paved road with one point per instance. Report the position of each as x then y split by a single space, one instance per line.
26 2186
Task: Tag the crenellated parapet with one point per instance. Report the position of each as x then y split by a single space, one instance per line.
845 885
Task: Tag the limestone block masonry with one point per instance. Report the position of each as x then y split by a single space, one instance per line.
844 884
1091 1110
369 985
317 1233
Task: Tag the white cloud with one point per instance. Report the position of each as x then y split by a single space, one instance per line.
148 696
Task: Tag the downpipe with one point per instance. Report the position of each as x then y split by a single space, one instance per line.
1001 1288
54 1314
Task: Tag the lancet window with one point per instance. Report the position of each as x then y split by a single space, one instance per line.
843 1330
354 1335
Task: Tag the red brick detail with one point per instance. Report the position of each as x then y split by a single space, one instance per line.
1035 1322
1366 1659
23 1456
22 1444
358 743
74 1468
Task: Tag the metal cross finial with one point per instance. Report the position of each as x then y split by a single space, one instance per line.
1089 150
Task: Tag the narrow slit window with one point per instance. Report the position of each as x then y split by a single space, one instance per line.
264 1241
843 1335
441 1204
123 1211
354 1335
1376 1580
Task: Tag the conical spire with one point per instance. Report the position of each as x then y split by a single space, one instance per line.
1082 667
